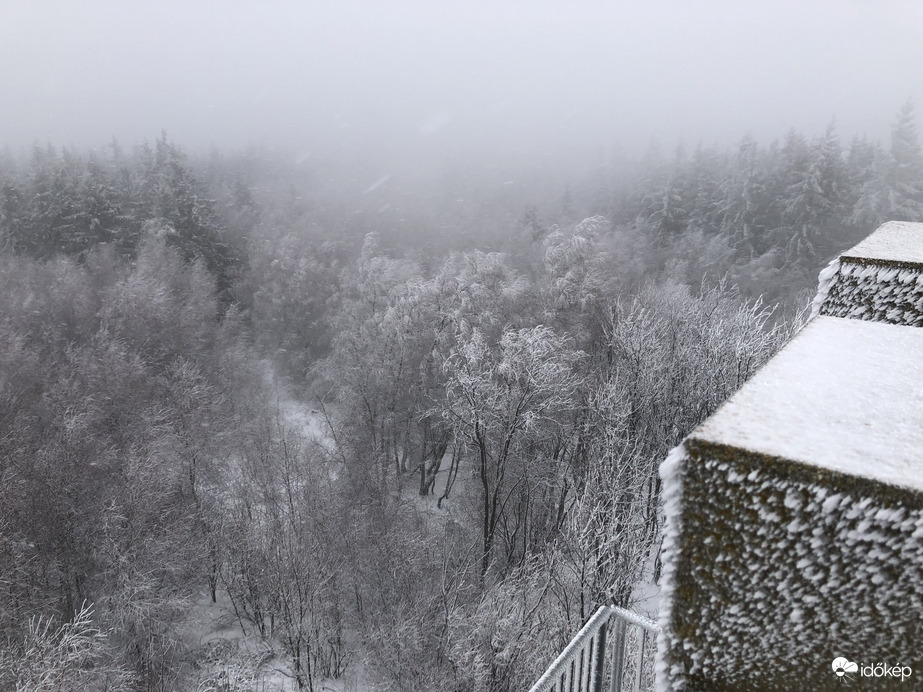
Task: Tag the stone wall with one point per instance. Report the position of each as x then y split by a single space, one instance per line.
794 515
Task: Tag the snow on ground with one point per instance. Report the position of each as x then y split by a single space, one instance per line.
305 418
231 655
232 661
228 659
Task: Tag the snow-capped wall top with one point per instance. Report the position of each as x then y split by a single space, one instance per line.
899 242
845 395
794 515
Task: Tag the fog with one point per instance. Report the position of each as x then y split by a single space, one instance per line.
392 82
355 364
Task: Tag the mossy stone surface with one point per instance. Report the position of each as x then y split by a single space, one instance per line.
783 567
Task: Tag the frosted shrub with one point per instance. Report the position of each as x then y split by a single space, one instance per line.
73 656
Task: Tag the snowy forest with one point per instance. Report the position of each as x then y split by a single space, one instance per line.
262 425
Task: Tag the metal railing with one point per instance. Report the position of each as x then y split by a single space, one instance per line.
581 667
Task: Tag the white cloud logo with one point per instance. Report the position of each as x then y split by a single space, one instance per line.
842 667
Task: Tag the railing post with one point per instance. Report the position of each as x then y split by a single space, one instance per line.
599 665
618 654
581 666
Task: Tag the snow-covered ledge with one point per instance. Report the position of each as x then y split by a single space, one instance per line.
795 521
880 279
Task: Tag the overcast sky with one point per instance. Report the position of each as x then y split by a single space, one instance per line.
446 76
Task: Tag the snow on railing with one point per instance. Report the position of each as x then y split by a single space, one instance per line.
581 666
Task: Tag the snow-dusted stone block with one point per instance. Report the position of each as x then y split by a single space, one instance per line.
794 520
880 279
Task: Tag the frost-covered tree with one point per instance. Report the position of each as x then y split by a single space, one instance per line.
812 198
503 401
907 167
119 417
872 198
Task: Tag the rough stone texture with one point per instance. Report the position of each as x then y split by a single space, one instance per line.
780 568
880 279
794 520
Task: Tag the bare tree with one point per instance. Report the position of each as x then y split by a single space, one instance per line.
500 400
